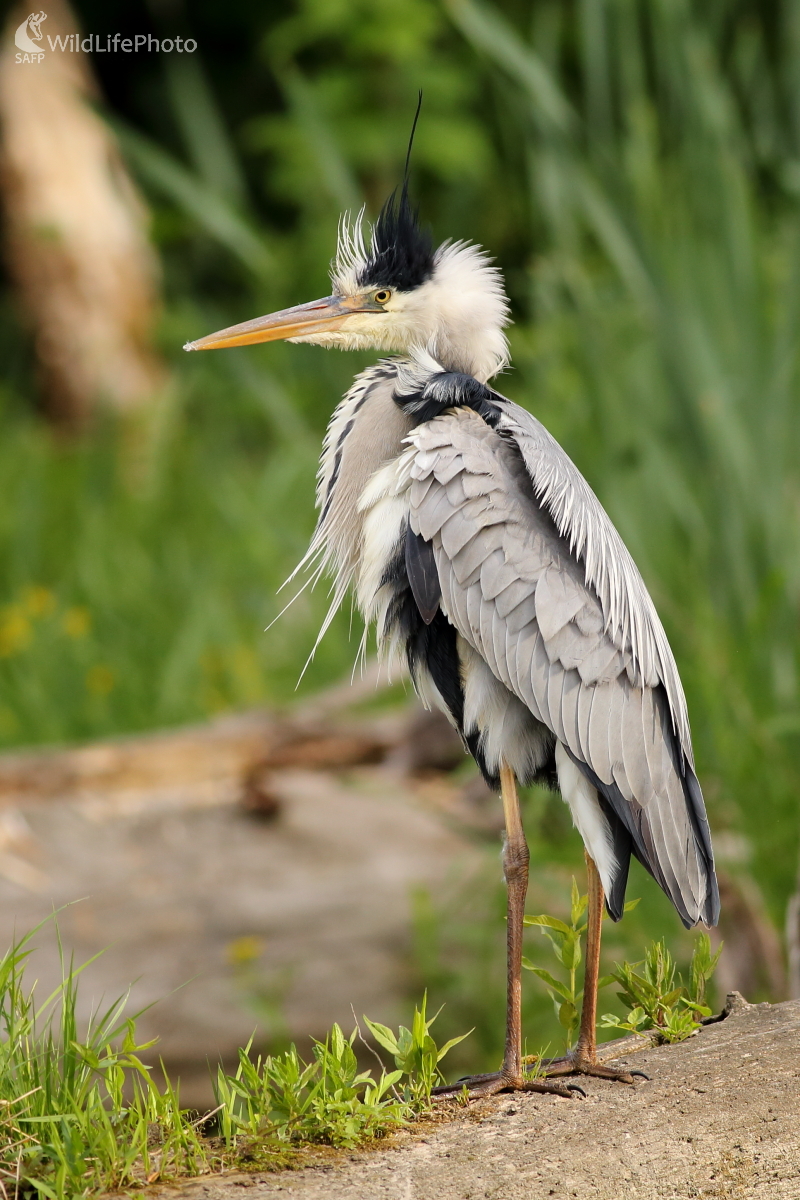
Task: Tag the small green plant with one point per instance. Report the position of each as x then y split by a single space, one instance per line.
416 1054
565 940
327 1100
656 1001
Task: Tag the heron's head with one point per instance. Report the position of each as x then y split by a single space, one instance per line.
396 294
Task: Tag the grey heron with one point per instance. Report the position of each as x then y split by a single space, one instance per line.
480 553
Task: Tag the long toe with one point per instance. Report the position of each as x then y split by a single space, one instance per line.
476 1086
573 1065
568 1090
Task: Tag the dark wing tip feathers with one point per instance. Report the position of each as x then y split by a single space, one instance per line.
402 250
630 837
423 577
700 822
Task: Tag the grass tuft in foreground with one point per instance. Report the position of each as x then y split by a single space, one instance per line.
82 1116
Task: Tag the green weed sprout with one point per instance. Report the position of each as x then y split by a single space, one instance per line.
416 1054
565 940
327 1100
655 1001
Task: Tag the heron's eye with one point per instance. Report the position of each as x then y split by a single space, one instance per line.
381 297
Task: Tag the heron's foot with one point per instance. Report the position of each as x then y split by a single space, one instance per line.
577 1063
476 1086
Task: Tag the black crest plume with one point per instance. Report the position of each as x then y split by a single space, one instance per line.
402 252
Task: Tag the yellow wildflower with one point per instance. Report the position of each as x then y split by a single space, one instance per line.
100 680
38 601
244 950
76 622
15 630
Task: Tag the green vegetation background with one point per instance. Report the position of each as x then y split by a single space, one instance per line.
635 169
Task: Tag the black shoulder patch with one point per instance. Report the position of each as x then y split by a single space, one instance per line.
402 251
451 389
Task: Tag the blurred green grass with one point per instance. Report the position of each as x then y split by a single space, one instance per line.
636 170
141 566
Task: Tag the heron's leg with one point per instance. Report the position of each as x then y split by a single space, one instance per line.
583 1059
515 868
516 859
587 1038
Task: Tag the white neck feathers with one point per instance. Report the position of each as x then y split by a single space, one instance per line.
468 311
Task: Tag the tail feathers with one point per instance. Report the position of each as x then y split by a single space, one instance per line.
697 808
694 891
622 842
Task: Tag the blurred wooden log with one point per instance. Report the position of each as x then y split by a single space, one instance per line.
196 767
75 233
226 920
214 763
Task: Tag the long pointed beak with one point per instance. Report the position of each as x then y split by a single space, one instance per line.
317 317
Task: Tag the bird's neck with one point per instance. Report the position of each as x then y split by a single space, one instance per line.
464 310
468 349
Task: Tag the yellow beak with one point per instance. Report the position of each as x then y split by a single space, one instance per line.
319 316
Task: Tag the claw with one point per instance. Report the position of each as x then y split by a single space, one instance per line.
641 1074
573 1087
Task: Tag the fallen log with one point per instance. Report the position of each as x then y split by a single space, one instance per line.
227 922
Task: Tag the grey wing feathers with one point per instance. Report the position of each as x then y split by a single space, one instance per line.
517 587
629 613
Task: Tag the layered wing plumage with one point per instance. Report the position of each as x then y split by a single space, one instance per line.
536 579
